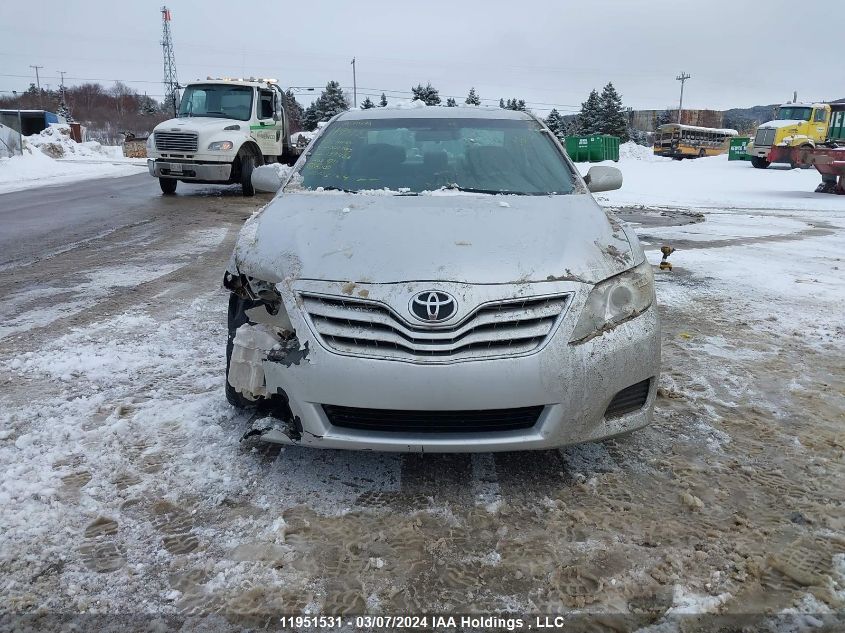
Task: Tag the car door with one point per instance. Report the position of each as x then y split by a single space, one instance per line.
267 132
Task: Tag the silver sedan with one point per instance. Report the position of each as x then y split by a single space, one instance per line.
441 279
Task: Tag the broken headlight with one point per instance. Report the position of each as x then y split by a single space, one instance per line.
259 291
614 301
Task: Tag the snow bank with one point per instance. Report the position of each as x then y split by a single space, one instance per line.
52 157
635 151
56 142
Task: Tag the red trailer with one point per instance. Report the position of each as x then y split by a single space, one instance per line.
830 163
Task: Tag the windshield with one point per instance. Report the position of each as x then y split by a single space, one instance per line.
216 100
416 155
794 114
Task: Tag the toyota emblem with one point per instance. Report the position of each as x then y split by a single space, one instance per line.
433 306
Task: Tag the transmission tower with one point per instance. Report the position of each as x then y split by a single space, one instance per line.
171 84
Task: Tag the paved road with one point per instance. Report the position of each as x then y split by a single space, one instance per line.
70 252
41 221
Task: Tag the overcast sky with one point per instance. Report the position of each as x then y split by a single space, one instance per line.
549 53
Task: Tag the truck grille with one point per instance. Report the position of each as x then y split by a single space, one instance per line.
398 421
765 136
368 328
176 142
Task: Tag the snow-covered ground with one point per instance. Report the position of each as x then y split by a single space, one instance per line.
712 182
126 488
767 239
52 157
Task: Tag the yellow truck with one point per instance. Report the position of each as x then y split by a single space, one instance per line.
797 125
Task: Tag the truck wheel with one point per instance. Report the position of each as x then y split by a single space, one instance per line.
702 153
759 163
168 185
247 165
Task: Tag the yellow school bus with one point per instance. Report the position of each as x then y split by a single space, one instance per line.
690 141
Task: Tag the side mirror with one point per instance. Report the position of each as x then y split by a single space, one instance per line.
603 179
277 106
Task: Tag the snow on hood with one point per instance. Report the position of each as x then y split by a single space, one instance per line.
198 122
478 239
782 123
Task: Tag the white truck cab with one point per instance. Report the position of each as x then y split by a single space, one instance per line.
224 129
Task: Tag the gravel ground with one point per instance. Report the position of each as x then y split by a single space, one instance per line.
127 490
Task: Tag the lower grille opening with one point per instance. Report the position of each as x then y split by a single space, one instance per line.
628 400
398 421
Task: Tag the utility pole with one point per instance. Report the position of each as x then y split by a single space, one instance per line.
171 83
682 78
354 86
38 83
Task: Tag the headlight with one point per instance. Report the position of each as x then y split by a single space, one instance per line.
150 143
220 146
614 301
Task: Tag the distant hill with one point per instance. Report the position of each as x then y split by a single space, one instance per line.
746 119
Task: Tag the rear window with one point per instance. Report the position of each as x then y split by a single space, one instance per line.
416 155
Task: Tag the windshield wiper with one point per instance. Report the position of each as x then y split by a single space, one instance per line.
492 192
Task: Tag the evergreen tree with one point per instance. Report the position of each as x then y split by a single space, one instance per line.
589 117
311 117
331 101
294 111
502 103
472 98
383 102
366 104
555 123
613 119
513 104
64 112
451 103
428 94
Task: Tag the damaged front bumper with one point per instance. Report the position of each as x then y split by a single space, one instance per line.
570 389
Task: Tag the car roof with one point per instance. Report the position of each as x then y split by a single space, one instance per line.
434 112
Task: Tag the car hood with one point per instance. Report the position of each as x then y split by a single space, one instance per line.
479 239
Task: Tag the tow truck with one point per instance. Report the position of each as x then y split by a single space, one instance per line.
225 127
798 125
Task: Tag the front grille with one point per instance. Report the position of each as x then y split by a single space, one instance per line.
176 142
765 136
368 328
398 421
628 400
